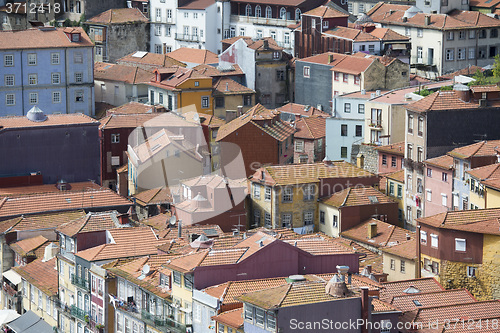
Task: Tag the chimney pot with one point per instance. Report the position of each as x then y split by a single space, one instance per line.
427 20
372 230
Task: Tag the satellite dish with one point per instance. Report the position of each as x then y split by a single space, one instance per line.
146 269
172 220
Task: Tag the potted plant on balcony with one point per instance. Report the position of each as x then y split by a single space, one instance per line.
100 327
86 317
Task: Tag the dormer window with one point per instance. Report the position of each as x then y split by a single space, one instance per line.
75 37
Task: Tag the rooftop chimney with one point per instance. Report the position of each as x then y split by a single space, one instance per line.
427 20
462 91
265 44
227 86
179 229
365 306
408 237
336 287
330 58
123 219
372 230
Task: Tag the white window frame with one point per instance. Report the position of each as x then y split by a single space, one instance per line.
9 80
8 60
33 98
460 245
55 78
256 191
434 241
10 99
55 58
267 193
54 99
423 237
32 59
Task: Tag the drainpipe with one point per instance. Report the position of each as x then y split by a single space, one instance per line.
419 265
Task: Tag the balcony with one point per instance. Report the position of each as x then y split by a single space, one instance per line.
96 327
161 321
262 20
10 290
62 306
187 37
167 20
375 124
78 313
80 282
422 61
408 164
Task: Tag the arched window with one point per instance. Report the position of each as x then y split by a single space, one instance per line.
283 13
297 14
258 12
248 10
269 12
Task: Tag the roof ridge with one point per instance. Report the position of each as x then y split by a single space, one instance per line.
286 293
347 196
390 235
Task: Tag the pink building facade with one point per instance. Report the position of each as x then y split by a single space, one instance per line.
438 180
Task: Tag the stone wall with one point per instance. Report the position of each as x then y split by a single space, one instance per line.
370 158
453 275
127 38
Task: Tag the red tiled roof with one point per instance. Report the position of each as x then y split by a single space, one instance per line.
444 162
386 34
381 306
47 188
397 288
352 34
231 318
327 58
212 71
53 202
405 249
121 73
484 3
395 148
387 235
277 129
258 45
125 120
42 275
91 222
119 16
325 12
39 221
159 195
441 100
131 108
356 196
151 59
197 4
482 148
353 65
302 110
227 86
485 172
29 245
197 56
436 298
310 128
52 120
320 246
41 39
481 221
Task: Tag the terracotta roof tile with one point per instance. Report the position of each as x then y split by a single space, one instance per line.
355 35
197 56
485 172
320 246
484 3
197 4
482 221
52 202
52 120
41 39
444 162
258 45
492 182
187 263
386 34
97 221
397 288
232 318
310 128
437 298
327 58
381 306
312 173
405 249
325 12
234 39
152 60
387 234
356 196
395 148
467 71
211 121
302 110
278 130
213 71
121 73
482 148
119 16
227 86
48 188
28 246
42 275
125 120
375 260
159 195
441 100
40 221
353 65
398 176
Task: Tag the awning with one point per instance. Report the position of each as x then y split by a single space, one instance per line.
12 276
399 46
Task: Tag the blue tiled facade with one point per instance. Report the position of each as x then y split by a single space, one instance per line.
57 80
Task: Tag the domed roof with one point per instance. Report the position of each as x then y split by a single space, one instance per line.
412 11
35 114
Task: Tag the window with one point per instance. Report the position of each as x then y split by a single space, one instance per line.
407 31
462 34
460 244
493 33
286 38
256 217
195 31
343 130
450 54
394 162
356 80
269 12
10 99
267 220
177 278
376 117
79 77
286 220
471 271
423 237
343 152
472 52
336 76
309 192
79 96
219 102
259 317
195 16
283 15
361 108
280 75
33 98
461 53
54 58
450 35
8 60
247 100
188 281
258 11
32 59
400 191
220 328
270 320
345 77
248 312
335 221
56 97
420 32
347 107
115 138
32 79
444 177
428 195
287 194
420 154
472 34
359 130
391 188
308 218
429 172
420 127
403 266
78 58
410 124
186 15
55 78
267 193
409 151
322 217
256 191
299 146
157 30
9 80
371 48
419 186
384 159
248 10
434 240
307 71
361 7
205 102
297 14
393 264
444 199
